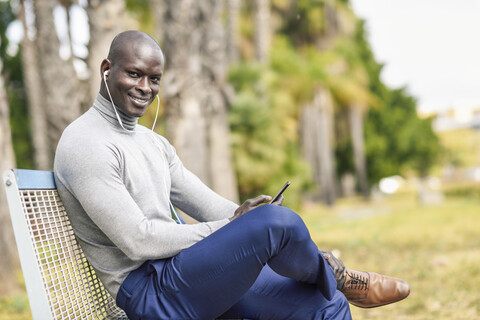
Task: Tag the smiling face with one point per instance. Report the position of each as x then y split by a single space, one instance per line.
133 75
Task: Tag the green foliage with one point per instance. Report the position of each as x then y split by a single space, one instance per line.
304 22
293 70
264 139
343 146
420 145
397 140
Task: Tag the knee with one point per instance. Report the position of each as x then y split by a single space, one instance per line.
274 214
272 217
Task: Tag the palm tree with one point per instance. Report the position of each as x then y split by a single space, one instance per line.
347 80
318 117
356 117
349 86
317 140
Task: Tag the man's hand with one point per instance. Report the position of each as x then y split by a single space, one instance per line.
249 205
279 201
336 264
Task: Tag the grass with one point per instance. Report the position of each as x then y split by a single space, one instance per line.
15 307
435 248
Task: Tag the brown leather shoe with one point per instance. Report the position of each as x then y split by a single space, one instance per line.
370 290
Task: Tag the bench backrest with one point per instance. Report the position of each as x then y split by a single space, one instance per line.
60 282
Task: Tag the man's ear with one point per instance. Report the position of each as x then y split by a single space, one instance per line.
105 68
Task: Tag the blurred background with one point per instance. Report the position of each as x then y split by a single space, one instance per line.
370 108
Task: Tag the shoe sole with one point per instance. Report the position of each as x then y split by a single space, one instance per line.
380 305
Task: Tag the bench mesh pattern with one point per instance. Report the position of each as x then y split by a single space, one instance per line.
73 289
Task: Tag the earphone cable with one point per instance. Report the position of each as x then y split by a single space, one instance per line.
172 208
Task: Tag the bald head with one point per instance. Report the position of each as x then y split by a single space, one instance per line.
128 40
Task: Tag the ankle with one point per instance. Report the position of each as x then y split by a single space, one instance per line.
341 281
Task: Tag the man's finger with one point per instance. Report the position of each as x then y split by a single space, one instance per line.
259 200
279 201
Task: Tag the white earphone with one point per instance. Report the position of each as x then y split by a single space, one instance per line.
105 74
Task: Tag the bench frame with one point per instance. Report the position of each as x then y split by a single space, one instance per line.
60 282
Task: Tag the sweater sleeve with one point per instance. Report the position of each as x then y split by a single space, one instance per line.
92 174
191 195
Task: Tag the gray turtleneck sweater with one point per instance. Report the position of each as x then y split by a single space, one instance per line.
115 185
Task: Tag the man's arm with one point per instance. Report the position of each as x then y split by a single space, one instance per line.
94 177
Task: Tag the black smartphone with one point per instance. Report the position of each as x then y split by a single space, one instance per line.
285 186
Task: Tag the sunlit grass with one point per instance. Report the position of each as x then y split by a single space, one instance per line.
435 248
15 307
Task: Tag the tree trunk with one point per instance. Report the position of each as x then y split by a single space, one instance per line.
64 93
332 26
35 96
262 29
9 262
105 19
317 144
355 117
233 13
158 7
195 89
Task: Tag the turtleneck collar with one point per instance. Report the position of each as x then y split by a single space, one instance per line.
105 108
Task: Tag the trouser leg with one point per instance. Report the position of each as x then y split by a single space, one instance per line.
273 296
208 278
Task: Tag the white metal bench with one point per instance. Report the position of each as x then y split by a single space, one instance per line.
60 282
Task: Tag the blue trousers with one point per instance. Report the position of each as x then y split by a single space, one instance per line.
262 265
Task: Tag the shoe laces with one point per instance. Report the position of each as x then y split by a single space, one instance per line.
357 281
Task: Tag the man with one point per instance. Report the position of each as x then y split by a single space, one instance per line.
119 182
